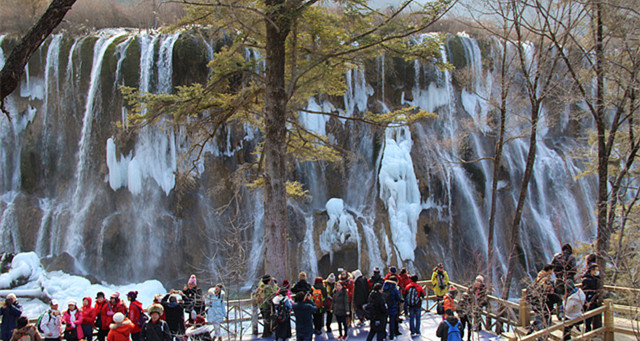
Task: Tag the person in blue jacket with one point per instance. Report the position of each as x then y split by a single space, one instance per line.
304 308
10 311
393 298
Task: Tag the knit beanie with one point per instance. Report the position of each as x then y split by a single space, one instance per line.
192 280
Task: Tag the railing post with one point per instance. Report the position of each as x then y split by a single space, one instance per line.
608 320
524 311
254 317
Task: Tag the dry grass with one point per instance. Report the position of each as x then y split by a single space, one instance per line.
17 16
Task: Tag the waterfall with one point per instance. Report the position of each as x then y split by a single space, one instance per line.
82 199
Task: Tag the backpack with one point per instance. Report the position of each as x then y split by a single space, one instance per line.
258 296
317 298
440 308
412 297
143 317
39 323
282 312
440 279
454 332
368 311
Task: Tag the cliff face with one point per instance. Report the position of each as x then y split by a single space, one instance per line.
71 183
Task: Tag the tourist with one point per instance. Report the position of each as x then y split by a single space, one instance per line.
103 327
392 298
377 311
51 322
193 298
478 294
72 318
403 280
346 280
136 315
24 329
449 329
565 268
156 329
574 304
301 285
319 294
360 295
88 318
263 296
450 299
542 297
174 312
465 311
120 329
217 310
592 287
304 308
413 302
199 331
282 310
341 309
440 282
330 285
10 311
375 278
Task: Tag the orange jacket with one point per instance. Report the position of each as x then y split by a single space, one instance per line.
120 331
449 303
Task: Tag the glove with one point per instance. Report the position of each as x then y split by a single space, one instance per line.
110 313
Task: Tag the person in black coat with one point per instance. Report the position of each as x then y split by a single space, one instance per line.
443 328
194 301
174 313
377 309
592 287
301 285
360 294
155 329
304 308
10 311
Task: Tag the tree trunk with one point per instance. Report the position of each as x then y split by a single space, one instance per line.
516 248
275 199
20 55
604 234
497 159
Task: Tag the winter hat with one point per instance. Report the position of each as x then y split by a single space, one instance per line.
286 284
331 278
318 280
155 308
132 294
192 280
200 320
357 273
376 270
72 302
567 247
115 295
118 318
302 275
266 278
53 302
211 291
12 296
480 279
393 269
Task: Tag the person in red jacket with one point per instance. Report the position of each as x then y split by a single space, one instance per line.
103 329
72 319
112 307
120 329
88 318
135 315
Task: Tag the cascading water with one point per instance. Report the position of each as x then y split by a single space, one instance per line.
404 197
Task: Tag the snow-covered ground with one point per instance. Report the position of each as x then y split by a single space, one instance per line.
61 286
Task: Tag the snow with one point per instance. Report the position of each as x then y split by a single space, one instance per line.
399 191
61 286
341 228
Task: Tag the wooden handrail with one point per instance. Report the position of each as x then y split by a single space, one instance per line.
564 324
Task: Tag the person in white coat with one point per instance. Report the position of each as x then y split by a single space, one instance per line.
216 309
573 307
51 322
